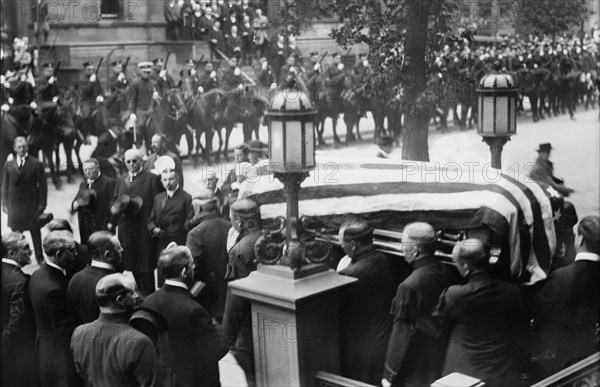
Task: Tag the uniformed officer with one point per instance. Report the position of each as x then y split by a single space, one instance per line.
89 89
232 75
117 80
188 81
141 94
312 73
48 87
264 72
208 79
334 80
22 90
163 80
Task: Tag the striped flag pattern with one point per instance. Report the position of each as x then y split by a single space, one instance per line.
391 193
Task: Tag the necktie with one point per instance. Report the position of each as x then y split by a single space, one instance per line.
90 182
21 162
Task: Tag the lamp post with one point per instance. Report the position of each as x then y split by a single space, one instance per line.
497 119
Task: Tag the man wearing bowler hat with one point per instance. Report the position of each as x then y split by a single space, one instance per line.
92 201
139 255
25 193
543 171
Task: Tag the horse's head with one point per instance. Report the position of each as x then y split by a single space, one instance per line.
174 104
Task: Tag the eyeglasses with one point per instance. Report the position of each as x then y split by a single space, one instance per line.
131 161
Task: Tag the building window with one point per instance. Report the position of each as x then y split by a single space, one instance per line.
109 8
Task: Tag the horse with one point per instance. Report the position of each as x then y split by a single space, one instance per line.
201 117
167 116
10 131
52 125
238 105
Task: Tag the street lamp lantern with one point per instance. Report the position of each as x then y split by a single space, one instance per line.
291 131
497 120
290 120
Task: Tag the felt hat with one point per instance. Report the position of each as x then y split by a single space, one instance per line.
44 219
385 140
257 146
86 199
129 205
546 147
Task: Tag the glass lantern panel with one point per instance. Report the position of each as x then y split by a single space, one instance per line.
502 118
276 142
293 144
487 116
513 115
309 144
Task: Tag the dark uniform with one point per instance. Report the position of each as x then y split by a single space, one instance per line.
89 91
334 83
265 76
47 90
140 99
98 216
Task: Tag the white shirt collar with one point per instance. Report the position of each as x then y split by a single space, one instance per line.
21 159
90 181
171 193
54 265
102 265
587 257
176 283
11 262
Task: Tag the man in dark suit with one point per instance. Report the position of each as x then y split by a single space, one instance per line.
120 355
96 216
82 258
565 311
18 320
237 319
105 252
208 243
25 193
159 146
487 319
192 346
48 292
415 353
139 255
365 312
171 213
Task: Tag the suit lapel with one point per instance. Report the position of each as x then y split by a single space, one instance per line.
19 170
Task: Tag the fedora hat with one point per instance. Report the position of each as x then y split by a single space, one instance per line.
85 199
257 146
129 205
546 147
43 219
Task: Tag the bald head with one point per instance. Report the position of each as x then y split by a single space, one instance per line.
471 254
418 240
173 260
59 246
112 291
132 153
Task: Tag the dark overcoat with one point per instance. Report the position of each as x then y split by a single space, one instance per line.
24 192
48 292
192 346
208 244
18 329
365 319
139 252
81 294
415 353
97 217
489 330
170 215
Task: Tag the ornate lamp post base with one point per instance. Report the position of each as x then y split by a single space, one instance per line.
496 145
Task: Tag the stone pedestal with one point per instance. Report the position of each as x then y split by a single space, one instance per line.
294 322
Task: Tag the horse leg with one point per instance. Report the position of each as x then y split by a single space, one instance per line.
228 130
334 120
247 130
320 128
358 137
54 169
218 152
68 147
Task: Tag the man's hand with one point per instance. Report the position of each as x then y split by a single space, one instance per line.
385 383
55 99
23 78
93 78
120 77
5 209
264 65
200 89
163 74
110 227
317 67
157 233
193 72
99 99
113 210
33 105
5 107
132 117
155 95
237 72
213 41
51 80
340 66
293 70
213 74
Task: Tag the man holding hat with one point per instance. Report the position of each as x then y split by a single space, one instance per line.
141 94
207 242
120 354
543 171
488 322
365 312
415 353
139 254
385 146
565 311
90 89
25 193
92 201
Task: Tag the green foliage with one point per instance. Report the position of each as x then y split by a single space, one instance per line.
551 16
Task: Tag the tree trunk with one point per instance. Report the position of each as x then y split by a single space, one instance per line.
414 136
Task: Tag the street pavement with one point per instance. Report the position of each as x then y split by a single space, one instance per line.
576 157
